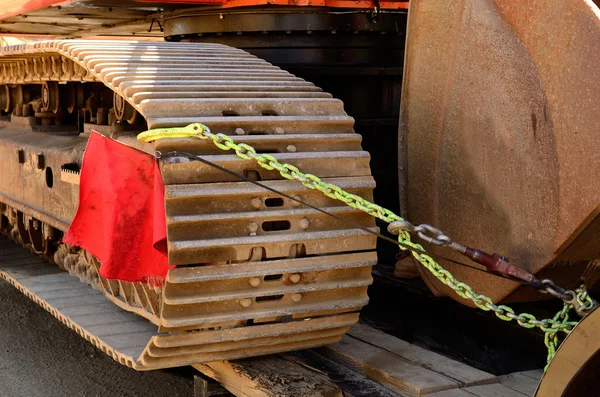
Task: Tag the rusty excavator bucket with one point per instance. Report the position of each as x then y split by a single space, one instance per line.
500 135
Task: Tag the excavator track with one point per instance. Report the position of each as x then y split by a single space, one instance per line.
255 272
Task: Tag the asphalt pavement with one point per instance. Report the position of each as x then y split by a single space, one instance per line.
39 356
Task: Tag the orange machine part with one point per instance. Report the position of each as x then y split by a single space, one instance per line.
392 5
19 7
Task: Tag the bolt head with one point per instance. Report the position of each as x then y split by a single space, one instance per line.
279 131
253 227
294 278
246 302
295 203
254 281
291 148
256 202
239 131
296 297
304 223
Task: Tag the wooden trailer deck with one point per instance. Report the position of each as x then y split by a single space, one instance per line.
365 363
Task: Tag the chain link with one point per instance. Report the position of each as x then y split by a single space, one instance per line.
583 298
427 233
551 327
551 339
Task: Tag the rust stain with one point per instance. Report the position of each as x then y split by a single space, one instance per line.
456 32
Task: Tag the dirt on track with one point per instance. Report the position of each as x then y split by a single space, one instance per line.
41 357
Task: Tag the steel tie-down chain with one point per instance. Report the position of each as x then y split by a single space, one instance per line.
551 327
579 299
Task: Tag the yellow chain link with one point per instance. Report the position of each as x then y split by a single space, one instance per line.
551 327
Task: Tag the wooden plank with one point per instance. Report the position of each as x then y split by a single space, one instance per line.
534 374
271 376
520 382
495 390
388 369
463 373
451 393
517 384
352 383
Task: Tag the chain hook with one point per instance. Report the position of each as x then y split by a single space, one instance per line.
579 299
398 227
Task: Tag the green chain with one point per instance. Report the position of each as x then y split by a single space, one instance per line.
551 327
551 339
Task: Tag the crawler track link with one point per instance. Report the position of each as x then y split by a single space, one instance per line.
255 273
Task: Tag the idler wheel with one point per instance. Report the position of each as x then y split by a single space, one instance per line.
50 96
123 110
18 95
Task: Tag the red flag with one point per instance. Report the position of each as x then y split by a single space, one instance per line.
121 214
